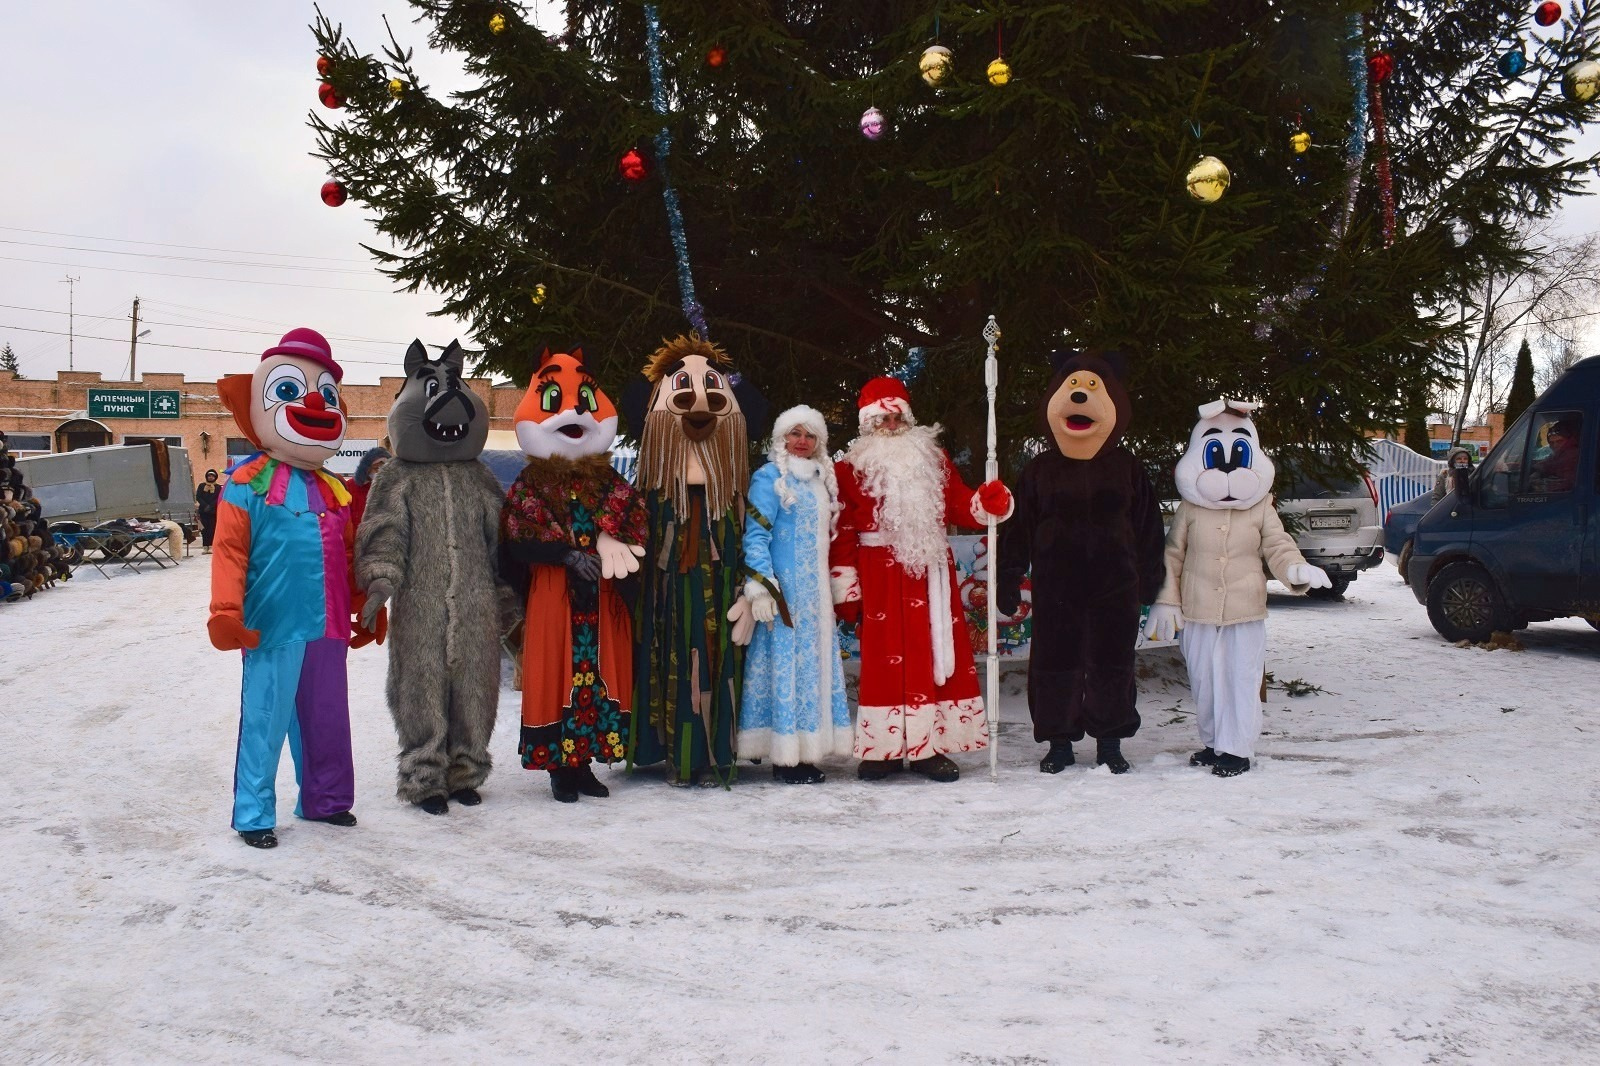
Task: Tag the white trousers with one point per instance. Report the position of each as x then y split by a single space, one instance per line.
1225 669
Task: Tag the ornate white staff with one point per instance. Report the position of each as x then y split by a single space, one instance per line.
991 471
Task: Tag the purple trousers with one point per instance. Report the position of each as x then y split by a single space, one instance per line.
296 691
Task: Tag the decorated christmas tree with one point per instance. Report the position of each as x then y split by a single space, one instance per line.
834 190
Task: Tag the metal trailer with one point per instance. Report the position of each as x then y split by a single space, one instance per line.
85 488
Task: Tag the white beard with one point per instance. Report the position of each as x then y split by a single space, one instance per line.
904 472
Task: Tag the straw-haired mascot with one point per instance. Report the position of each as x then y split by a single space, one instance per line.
1215 595
571 531
427 547
693 617
280 587
1089 524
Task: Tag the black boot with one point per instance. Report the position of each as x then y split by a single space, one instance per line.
562 786
344 818
467 797
435 805
1108 753
799 774
584 781
1204 757
1230 765
936 768
1058 758
878 769
259 838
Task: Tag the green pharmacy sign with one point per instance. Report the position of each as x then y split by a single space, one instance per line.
134 403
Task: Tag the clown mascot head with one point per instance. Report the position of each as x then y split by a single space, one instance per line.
1215 594
280 585
571 534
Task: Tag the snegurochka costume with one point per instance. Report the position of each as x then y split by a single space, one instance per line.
280 586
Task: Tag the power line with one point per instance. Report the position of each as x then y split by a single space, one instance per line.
187 325
165 244
201 277
187 258
187 347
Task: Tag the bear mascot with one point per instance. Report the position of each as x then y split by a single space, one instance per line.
427 546
1089 525
1215 593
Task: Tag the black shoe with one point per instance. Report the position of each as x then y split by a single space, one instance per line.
259 838
1230 765
1058 758
936 768
435 805
799 774
584 781
1203 757
344 818
878 769
562 787
467 797
1108 753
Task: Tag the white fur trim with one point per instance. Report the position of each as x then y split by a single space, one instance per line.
941 628
844 585
980 515
867 417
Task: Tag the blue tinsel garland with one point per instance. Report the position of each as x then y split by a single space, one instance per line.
680 243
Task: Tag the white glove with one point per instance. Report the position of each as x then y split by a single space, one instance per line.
617 560
762 603
1164 622
1310 576
744 621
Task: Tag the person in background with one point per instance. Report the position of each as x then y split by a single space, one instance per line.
206 495
1458 458
361 483
1558 472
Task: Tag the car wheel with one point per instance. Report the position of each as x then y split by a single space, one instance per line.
1463 603
1404 560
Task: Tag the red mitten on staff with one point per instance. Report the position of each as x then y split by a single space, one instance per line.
228 633
995 499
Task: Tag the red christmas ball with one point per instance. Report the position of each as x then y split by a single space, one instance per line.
329 95
334 193
633 166
717 56
1380 66
324 64
1547 13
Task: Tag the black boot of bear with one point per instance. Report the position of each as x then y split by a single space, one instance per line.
1058 758
1108 753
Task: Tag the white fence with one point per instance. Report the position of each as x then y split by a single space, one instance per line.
1400 474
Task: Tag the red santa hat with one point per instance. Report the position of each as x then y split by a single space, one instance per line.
879 397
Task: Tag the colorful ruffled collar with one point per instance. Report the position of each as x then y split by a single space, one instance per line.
268 477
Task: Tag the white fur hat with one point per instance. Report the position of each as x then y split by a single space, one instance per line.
801 415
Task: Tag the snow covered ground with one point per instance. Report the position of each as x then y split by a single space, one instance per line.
1408 875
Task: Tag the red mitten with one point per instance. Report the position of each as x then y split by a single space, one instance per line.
361 636
229 634
995 498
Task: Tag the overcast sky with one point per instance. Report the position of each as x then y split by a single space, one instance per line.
180 122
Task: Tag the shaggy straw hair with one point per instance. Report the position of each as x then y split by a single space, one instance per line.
724 456
681 348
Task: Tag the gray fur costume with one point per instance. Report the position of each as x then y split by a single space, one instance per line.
428 544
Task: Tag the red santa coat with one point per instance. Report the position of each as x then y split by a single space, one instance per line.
916 701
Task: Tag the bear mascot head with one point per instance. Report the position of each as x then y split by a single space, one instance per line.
1086 408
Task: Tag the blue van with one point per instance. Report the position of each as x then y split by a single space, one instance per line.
1520 541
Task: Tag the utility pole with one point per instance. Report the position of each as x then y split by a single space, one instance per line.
133 344
70 282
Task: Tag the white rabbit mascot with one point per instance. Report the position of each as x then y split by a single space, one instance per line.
1215 594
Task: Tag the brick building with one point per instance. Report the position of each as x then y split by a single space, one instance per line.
53 415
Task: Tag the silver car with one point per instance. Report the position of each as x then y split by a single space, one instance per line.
1335 524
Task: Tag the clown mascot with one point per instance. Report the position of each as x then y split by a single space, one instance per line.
1215 594
280 586
571 530
693 619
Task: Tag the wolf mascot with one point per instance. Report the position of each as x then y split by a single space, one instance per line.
1215 594
427 546
571 530
280 587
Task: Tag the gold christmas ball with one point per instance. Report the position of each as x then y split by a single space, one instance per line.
1300 142
397 88
538 294
497 23
935 64
1581 82
999 71
1208 179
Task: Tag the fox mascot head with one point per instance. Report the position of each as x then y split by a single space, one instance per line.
564 415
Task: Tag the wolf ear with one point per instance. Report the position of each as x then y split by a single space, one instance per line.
454 358
416 358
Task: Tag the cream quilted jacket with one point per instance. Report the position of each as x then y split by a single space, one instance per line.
1214 562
